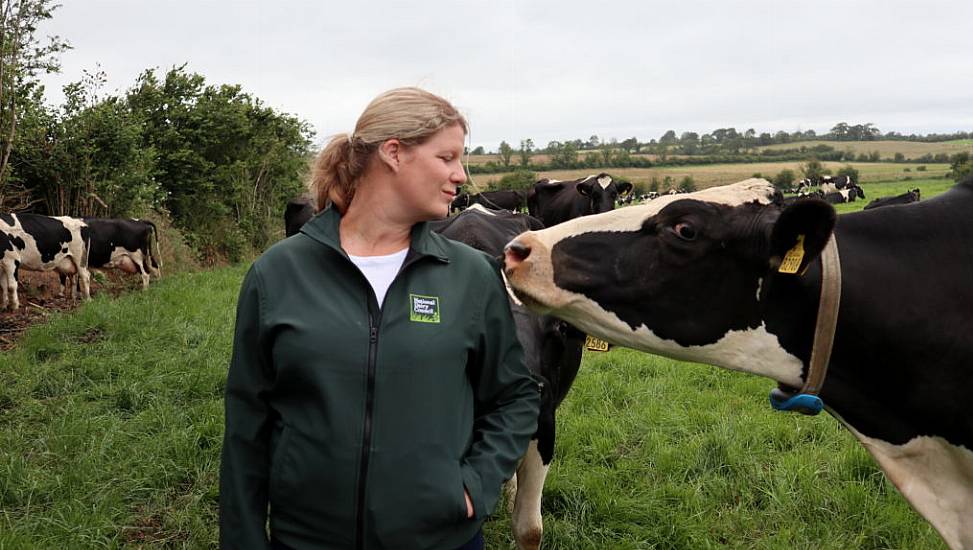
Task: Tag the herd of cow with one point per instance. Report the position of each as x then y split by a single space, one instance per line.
689 276
71 247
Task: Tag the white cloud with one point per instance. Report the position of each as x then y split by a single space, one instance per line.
556 70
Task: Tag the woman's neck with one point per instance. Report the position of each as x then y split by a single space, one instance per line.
370 228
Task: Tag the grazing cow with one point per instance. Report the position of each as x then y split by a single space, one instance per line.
125 245
847 194
297 212
728 277
45 243
553 201
552 349
831 184
904 198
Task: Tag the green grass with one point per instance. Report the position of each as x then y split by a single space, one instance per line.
111 425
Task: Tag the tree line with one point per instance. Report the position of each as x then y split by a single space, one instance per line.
723 145
211 158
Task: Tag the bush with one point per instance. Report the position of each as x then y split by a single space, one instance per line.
850 171
687 185
921 168
784 179
519 180
907 169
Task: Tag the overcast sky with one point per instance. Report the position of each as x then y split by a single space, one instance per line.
555 70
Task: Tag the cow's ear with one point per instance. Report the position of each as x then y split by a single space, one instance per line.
584 188
623 187
810 222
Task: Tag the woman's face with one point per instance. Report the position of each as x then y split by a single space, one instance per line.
430 174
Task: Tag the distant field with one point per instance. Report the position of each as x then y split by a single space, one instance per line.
888 149
721 174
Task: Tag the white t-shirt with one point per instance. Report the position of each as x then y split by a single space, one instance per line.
380 270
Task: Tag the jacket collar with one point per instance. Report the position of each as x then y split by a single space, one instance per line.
323 228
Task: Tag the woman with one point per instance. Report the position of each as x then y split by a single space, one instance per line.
377 395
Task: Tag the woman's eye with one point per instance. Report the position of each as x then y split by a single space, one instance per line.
685 231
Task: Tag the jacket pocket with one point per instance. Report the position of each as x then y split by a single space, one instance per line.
277 461
422 499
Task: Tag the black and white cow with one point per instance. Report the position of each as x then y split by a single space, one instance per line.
10 245
831 184
904 198
124 244
553 201
44 243
696 278
552 349
297 212
848 193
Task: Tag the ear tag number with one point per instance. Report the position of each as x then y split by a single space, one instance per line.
792 260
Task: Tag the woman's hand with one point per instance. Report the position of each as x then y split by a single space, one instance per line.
469 504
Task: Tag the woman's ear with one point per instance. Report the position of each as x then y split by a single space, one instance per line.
390 151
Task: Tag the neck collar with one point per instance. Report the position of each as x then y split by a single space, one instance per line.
806 399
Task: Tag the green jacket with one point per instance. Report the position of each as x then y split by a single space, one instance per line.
358 425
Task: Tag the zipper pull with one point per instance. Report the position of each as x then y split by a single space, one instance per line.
373 334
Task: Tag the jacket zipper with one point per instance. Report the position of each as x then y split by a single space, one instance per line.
373 325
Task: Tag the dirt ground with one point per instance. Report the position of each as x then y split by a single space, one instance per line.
38 292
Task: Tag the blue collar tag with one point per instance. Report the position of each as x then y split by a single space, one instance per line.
801 402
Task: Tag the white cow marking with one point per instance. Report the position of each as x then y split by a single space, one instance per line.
934 476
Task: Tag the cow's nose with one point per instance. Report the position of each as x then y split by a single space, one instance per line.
514 253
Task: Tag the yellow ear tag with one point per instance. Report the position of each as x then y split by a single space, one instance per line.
792 260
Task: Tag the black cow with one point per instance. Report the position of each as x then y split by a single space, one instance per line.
552 349
297 212
124 244
904 198
504 199
553 201
699 278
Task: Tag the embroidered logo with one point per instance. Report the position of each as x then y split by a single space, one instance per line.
425 309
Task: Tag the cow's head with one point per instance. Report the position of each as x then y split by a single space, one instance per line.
602 191
681 276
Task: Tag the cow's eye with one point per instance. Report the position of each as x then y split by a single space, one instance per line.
685 231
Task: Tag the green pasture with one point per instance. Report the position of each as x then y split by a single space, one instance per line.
111 426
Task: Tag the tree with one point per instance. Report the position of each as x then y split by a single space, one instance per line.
594 142
668 138
526 149
505 152
689 142
478 150
22 58
631 144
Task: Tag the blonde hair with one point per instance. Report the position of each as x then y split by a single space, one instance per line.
411 115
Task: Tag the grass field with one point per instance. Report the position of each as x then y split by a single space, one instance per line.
722 174
111 426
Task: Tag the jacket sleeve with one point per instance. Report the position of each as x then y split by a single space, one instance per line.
507 400
244 470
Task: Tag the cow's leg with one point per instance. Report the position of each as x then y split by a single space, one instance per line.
8 279
85 276
528 525
144 273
